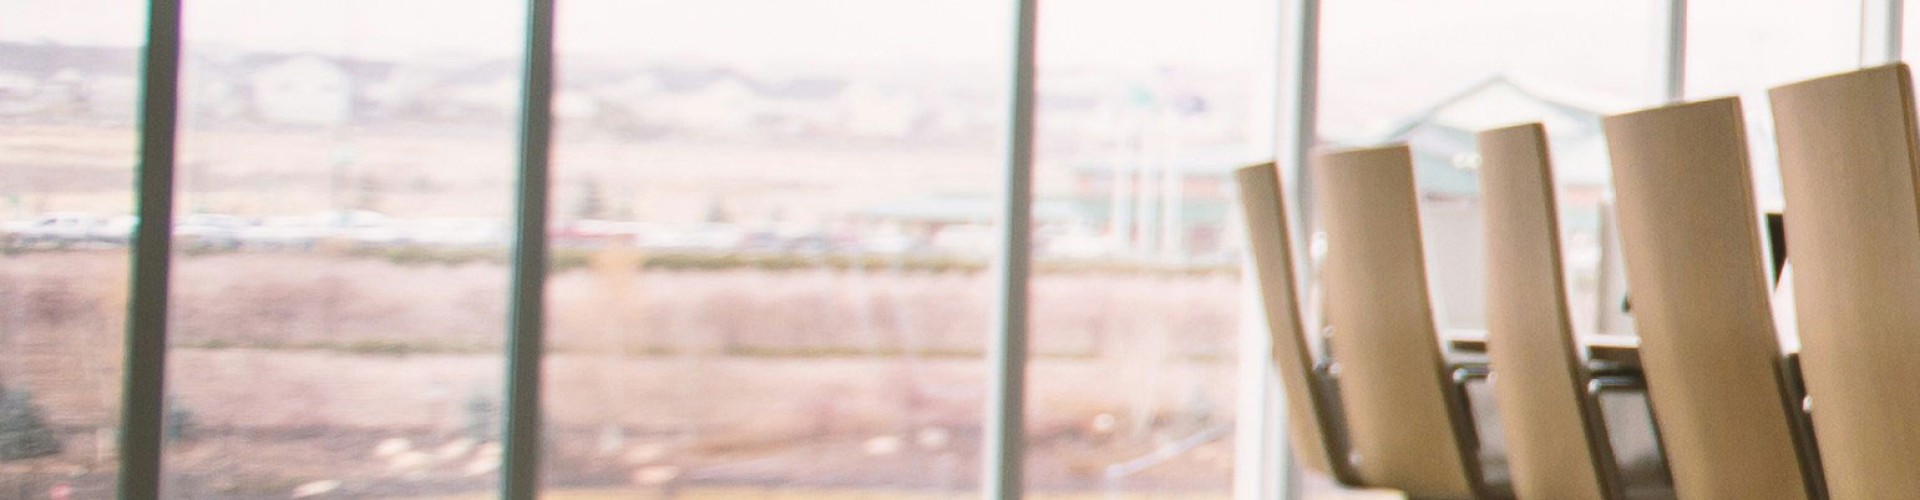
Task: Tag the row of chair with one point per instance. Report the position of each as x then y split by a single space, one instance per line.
1735 416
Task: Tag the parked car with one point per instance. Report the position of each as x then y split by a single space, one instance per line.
210 231
61 230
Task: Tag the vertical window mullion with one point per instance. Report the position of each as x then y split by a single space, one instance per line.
1007 356
143 390
1896 29
1675 61
1304 119
526 307
1882 24
1297 98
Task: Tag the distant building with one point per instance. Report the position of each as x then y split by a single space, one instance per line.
877 112
471 91
722 102
1177 205
53 80
303 90
1116 208
1173 207
1445 157
309 90
1446 163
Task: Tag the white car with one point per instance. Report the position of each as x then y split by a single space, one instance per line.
59 229
209 230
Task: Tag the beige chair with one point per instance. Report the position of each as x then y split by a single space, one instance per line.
1556 435
1313 421
1688 229
1408 424
1848 158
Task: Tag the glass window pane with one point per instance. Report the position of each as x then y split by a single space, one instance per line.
771 223
1743 48
341 224
1432 74
1480 66
1145 109
68 82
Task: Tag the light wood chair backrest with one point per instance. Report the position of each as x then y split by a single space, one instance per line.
1270 244
1393 380
1530 341
1847 156
1689 231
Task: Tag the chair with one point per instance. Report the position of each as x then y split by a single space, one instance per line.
1848 162
1408 422
1313 421
1688 229
1557 441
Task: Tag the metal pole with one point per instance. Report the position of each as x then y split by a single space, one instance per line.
1676 60
143 390
1007 359
525 339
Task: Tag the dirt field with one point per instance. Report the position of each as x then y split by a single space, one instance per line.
300 369
467 171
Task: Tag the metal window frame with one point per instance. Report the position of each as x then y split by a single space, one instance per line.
1675 63
1007 350
143 386
1296 120
1896 29
526 339
1884 44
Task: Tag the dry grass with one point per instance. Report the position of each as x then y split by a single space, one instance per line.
295 365
305 302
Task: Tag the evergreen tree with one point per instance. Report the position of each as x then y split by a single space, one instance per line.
480 418
23 431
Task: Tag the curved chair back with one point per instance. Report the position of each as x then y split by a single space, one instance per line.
1689 231
1530 340
1404 430
1847 156
1309 422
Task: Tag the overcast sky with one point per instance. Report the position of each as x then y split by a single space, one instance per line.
1381 59
1215 32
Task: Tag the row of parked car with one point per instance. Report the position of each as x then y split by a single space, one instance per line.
210 231
223 231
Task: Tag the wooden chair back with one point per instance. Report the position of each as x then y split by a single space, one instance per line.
1404 429
1689 232
1848 161
1530 340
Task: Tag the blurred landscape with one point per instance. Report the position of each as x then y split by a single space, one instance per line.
762 284
737 377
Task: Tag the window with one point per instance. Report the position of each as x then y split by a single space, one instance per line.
769 242
771 227
1479 67
771 222
342 211
1146 108
1742 48
66 140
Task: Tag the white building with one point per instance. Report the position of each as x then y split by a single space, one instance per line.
303 90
